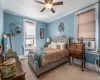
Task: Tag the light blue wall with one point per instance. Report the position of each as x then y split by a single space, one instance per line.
40 42
69 22
1 21
18 41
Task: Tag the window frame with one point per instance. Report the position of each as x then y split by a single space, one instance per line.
26 30
27 20
96 7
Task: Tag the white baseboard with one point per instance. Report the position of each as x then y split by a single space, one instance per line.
87 65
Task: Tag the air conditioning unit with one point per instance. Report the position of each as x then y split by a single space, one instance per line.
89 44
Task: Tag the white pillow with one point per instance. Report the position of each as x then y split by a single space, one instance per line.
62 45
53 45
49 46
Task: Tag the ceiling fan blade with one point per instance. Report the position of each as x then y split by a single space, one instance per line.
43 9
52 10
39 2
58 3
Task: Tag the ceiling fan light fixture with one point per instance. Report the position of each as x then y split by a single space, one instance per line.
48 6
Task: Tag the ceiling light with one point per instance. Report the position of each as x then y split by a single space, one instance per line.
48 6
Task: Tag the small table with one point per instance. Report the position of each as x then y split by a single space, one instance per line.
19 75
76 50
9 68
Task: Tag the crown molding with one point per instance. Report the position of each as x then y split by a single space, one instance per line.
23 16
73 11
54 18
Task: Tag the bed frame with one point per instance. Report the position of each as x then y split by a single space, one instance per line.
41 70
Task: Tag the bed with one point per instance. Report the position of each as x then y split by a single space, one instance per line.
44 59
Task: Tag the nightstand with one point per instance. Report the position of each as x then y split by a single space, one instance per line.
76 50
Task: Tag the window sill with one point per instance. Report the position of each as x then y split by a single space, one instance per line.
92 52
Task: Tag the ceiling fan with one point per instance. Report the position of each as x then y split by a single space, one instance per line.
48 4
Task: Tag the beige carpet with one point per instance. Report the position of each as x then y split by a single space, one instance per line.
63 72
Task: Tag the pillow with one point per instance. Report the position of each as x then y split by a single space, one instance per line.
49 46
54 45
58 46
62 45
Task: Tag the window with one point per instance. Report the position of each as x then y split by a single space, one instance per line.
30 33
86 25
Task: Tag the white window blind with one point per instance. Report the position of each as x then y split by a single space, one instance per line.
30 29
30 33
86 24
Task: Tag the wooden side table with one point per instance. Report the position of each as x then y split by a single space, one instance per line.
76 50
20 73
9 68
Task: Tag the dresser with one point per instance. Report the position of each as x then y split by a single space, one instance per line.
76 50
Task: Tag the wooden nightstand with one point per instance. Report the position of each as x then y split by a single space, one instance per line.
76 50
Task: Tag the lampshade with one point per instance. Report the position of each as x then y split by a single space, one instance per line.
48 40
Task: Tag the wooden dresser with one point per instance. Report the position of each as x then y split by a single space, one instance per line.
76 50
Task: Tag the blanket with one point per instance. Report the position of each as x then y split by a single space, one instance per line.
48 55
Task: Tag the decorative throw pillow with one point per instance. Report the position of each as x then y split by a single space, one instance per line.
62 45
53 45
49 46
58 46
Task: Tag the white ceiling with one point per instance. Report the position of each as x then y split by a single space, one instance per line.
31 9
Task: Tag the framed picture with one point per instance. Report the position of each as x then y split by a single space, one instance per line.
42 33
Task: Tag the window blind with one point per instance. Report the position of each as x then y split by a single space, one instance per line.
86 24
30 33
30 29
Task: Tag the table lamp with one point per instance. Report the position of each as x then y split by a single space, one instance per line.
48 40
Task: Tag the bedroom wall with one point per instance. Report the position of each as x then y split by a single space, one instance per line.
18 40
1 22
69 24
40 42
